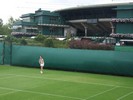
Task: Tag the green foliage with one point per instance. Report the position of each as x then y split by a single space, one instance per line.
60 44
10 22
23 41
4 29
68 36
40 41
48 43
9 38
40 38
1 22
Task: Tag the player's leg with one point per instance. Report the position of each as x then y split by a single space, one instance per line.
41 70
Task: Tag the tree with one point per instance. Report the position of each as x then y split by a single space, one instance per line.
6 29
9 38
1 22
11 21
1 27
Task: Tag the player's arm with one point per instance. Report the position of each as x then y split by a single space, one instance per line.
39 61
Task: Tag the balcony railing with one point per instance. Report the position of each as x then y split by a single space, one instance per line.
52 23
25 23
23 34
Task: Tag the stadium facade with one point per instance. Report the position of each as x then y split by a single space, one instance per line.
104 20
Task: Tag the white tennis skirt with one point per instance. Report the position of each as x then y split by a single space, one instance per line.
42 65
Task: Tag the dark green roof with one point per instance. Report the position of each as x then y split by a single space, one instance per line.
27 15
96 6
48 13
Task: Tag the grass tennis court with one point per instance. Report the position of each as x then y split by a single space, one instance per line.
19 83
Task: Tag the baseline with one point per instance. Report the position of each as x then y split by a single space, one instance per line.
72 81
42 93
7 77
7 93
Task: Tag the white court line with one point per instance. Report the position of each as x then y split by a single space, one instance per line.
101 93
7 77
7 93
4 75
67 81
62 80
125 95
42 93
72 81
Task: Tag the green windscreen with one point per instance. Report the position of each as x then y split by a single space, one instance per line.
1 53
97 61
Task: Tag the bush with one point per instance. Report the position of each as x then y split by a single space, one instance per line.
40 38
60 44
23 42
48 43
77 44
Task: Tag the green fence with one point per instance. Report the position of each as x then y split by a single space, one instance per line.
116 62
1 53
124 48
98 61
5 53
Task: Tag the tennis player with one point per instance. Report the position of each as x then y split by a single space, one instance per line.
41 62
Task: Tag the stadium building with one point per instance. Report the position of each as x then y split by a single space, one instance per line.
113 20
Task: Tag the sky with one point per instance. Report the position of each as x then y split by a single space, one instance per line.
15 8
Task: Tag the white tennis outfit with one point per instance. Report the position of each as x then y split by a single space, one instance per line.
42 65
41 61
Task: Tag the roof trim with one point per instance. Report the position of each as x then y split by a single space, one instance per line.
27 15
95 6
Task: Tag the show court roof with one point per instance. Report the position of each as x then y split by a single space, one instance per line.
95 6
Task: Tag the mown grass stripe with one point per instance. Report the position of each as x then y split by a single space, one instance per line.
101 93
42 93
72 81
125 95
7 77
7 93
